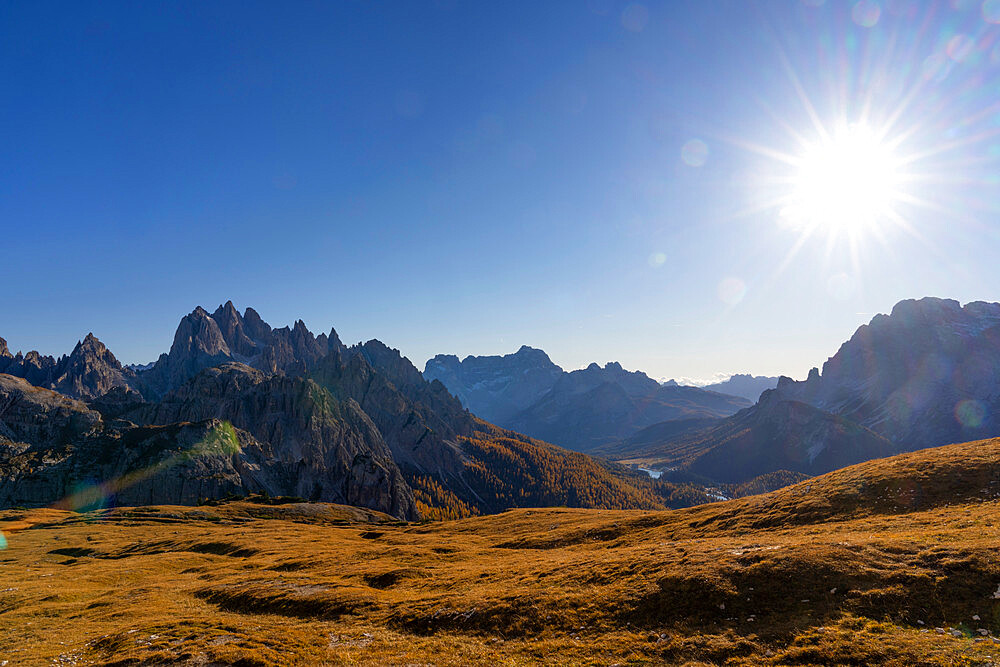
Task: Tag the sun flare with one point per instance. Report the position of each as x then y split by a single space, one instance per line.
848 181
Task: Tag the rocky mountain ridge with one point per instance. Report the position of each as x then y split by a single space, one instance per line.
496 388
924 375
581 410
238 407
89 371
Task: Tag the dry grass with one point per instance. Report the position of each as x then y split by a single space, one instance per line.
856 567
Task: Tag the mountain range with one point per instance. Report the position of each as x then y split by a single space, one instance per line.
581 410
236 407
926 374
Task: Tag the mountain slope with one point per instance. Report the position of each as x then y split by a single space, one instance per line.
595 406
51 446
927 373
775 434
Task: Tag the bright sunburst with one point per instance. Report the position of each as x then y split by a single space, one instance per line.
847 182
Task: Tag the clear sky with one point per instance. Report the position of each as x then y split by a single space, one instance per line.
604 180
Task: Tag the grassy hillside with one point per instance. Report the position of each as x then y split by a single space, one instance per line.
887 562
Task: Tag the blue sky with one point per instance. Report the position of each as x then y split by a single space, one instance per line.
466 178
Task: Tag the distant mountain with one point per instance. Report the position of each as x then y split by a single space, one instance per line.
595 406
237 407
580 410
496 388
89 371
748 386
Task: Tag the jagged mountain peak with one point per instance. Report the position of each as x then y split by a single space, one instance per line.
227 309
256 328
87 372
93 349
204 340
199 333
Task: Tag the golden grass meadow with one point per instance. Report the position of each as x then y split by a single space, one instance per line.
893 561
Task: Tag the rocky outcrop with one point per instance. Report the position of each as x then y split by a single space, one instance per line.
198 344
30 414
174 464
204 340
419 436
90 370
292 439
318 447
37 369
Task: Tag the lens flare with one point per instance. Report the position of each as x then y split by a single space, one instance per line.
694 153
221 441
960 47
866 13
732 290
970 413
991 11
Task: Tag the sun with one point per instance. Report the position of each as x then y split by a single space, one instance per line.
847 181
